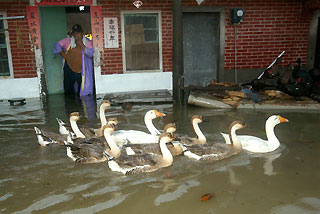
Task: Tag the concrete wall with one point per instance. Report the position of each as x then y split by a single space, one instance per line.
19 87
132 82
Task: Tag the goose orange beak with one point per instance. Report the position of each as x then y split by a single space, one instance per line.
282 119
159 114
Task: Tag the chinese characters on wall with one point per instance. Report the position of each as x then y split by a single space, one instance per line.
96 24
33 20
111 39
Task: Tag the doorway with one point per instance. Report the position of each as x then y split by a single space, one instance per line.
55 22
200 47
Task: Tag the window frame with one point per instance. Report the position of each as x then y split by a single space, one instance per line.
6 33
123 13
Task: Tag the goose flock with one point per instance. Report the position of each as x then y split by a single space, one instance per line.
132 151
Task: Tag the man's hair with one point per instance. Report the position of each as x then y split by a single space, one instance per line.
77 28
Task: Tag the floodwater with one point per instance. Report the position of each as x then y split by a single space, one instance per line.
45 180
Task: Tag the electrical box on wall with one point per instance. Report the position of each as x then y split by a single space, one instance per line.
237 15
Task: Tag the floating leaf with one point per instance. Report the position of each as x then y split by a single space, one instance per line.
206 197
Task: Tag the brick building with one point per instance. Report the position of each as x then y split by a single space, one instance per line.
135 46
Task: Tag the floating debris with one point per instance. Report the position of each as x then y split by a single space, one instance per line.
206 197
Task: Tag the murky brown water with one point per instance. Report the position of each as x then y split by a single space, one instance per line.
44 180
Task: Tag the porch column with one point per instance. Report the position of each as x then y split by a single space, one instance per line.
177 59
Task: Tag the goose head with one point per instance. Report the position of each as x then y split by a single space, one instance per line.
196 119
166 138
236 125
108 129
113 120
170 128
273 120
105 104
152 114
74 116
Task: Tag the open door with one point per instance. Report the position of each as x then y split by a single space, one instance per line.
53 29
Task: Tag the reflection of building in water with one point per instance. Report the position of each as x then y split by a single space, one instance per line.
85 105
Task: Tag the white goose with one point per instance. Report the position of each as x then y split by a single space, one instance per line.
258 145
140 137
175 148
201 139
216 151
92 150
134 164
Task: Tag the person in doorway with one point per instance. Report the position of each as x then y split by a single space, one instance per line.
77 52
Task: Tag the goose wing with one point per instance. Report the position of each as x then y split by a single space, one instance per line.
51 137
185 140
142 148
86 153
135 164
211 152
134 137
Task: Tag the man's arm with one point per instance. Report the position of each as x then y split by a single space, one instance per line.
63 54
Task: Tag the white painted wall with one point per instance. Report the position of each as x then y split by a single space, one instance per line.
29 87
20 87
132 82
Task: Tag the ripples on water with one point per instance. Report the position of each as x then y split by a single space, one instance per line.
44 180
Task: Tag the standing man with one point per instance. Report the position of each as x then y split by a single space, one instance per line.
77 52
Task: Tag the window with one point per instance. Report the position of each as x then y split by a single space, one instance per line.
5 53
141 41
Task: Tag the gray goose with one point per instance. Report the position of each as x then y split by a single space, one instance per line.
134 164
200 139
92 150
216 151
46 137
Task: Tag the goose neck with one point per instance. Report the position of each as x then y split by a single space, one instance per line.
102 115
114 149
151 127
76 129
272 139
166 154
234 139
201 138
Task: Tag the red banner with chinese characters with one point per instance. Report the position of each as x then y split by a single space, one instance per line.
33 20
63 2
96 24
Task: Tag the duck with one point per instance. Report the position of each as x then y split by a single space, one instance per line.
46 137
175 148
216 151
88 132
257 145
140 163
139 137
200 139
91 150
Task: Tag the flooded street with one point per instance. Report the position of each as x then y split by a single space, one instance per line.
45 180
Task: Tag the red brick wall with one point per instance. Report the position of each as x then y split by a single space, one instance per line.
23 58
112 58
268 28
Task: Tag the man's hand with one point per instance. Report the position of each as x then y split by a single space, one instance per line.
63 54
